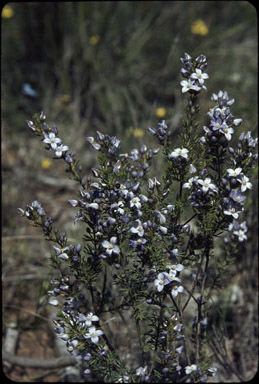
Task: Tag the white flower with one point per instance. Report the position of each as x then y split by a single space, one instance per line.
206 185
190 368
212 371
198 75
245 184
53 302
227 131
93 334
161 281
187 85
171 276
111 246
122 379
232 212
183 152
92 205
95 145
141 371
138 228
179 349
74 203
52 140
163 230
241 235
192 168
117 207
189 182
61 252
89 318
161 217
60 149
174 268
135 202
234 172
237 122
177 289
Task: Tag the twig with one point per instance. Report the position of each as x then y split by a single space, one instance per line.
29 362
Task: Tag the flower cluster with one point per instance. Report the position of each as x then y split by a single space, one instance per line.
222 122
193 71
161 132
170 279
145 235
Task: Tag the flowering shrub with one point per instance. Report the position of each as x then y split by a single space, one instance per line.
149 241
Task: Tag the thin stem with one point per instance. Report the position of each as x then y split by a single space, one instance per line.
200 303
190 219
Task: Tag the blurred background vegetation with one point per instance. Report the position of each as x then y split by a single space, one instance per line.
111 66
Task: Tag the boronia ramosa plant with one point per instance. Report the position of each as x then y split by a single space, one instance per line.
148 250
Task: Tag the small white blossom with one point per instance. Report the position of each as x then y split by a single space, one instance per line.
92 205
190 182
141 371
188 85
190 368
161 281
53 302
206 185
52 140
227 131
192 168
89 318
237 122
74 203
199 75
234 172
122 379
138 228
135 202
241 235
177 289
183 152
111 246
212 371
245 184
163 230
179 349
174 268
231 212
93 334
60 148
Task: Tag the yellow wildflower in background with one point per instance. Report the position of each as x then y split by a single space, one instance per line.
7 12
161 112
199 28
93 40
46 163
136 132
